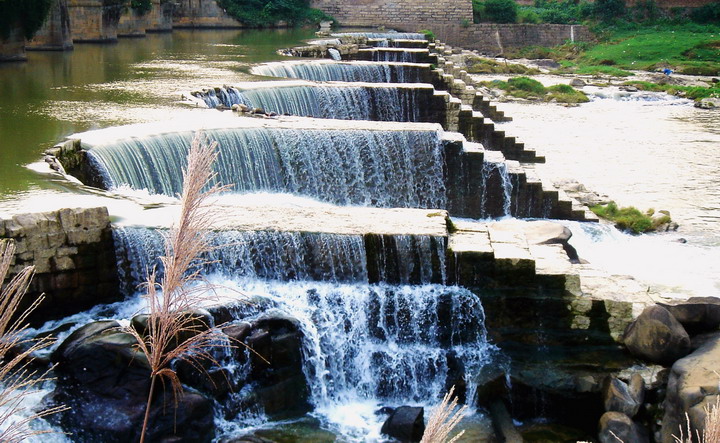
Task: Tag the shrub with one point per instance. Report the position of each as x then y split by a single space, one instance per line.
709 13
608 10
528 15
628 218
141 6
264 13
478 10
527 84
428 34
29 14
501 11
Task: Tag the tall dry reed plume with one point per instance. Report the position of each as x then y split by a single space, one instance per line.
443 420
711 426
17 378
173 332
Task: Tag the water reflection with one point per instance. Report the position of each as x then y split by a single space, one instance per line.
56 94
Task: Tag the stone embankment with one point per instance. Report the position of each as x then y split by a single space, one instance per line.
73 254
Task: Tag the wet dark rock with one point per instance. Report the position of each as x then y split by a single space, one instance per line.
618 397
616 426
405 424
697 314
657 336
105 381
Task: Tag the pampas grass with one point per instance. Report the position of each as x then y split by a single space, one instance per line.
173 331
17 378
443 420
711 427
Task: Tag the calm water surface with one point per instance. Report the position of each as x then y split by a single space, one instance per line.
56 94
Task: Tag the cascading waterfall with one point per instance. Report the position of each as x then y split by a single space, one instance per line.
338 102
394 56
358 167
334 54
364 345
345 72
384 35
499 170
371 346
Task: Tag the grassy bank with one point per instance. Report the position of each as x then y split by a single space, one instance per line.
632 219
684 48
527 88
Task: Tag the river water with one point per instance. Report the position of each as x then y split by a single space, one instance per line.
648 150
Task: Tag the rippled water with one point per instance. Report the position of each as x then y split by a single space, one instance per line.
56 94
658 153
649 151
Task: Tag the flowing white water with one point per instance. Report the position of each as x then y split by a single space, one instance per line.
359 167
649 150
324 101
369 72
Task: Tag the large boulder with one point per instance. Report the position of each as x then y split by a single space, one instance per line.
105 380
657 336
697 314
406 424
618 397
616 426
692 387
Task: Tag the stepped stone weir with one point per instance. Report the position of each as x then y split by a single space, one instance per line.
404 102
328 70
383 164
383 35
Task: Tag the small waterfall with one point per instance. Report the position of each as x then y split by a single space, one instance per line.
384 35
358 167
334 54
371 346
345 72
291 256
496 172
572 33
394 56
338 102
382 43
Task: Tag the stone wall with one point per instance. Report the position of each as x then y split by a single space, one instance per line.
494 38
419 13
201 14
93 22
74 258
160 17
133 24
13 48
55 34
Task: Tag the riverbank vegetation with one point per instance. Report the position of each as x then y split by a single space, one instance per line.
268 13
527 88
632 219
29 14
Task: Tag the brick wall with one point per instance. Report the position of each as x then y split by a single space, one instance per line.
419 13
74 258
132 24
55 33
160 17
494 38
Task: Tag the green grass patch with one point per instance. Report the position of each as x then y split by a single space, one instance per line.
680 47
527 88
630 218
690 92
488 66
602 70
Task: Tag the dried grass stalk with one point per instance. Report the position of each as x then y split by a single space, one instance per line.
17 378
443 420
711 426
172 331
